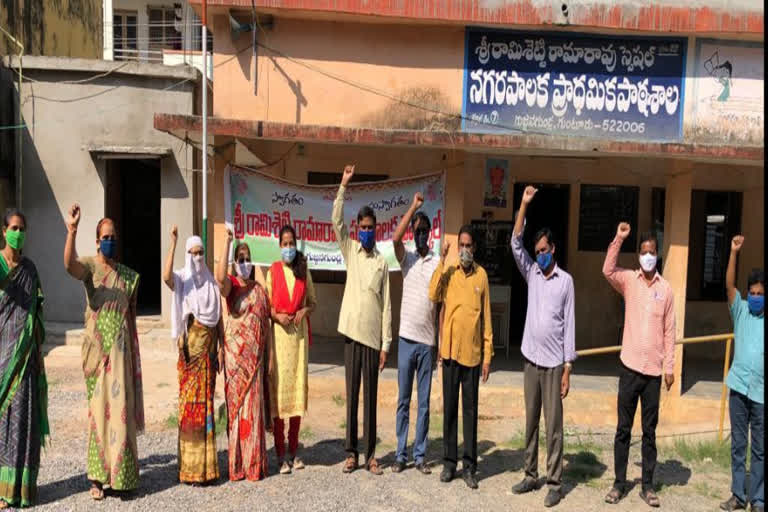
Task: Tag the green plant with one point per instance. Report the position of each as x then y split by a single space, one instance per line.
338 400
703 452
221 420
172 421
306 434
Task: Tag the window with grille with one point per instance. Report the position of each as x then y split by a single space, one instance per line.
124 40
163 34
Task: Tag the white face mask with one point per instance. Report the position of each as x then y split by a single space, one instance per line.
244 269
197 263
648 262
466 257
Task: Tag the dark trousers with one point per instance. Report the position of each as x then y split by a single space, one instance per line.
634 386
361 359
542 391
456 376
747 415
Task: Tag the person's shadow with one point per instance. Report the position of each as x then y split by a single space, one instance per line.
581 468
157 473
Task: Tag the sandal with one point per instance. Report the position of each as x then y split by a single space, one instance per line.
373 467
614 496
650 498
96 492
350 465
298 463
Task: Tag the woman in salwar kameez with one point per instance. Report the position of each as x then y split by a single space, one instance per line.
292 299
196 325
23 388
245 352
111 360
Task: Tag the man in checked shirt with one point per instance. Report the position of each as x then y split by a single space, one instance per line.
647 351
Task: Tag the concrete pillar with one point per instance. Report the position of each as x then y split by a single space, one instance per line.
677 220
108 46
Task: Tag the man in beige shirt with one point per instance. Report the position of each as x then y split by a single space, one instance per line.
365 320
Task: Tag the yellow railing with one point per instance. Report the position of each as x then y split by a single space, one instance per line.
727 338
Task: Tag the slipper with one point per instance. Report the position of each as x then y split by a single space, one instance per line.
96 493
614 496
650 498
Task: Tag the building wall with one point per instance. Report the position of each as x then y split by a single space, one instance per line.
59 170
61 28
598 308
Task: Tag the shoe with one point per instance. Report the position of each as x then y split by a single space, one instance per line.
373 467
526 485
285 468
297 463
447 474
733 503
350 464
422 467
398 466
553 498
469 479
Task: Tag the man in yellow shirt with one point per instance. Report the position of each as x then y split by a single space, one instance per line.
365 321
467 339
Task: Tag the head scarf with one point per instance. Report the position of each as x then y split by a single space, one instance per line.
194 293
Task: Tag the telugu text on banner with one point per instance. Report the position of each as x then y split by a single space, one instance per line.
259 205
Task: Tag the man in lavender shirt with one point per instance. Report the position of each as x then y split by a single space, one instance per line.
548 349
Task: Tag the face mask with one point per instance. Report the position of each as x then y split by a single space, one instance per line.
244 269
15 239
108 248
367 239
543 260
288 254
422 239
466 257
756 303
197 263
648 262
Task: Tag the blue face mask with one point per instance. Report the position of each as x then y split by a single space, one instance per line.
108 248
288 254
422 239
367 239
543 260
756 303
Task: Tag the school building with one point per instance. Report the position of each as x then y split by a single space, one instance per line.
651 115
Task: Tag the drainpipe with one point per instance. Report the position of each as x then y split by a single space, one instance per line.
205 127
19 132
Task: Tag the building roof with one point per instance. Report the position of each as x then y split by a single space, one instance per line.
680 16
68 64
189 128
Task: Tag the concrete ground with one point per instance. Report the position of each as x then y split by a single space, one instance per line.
690 477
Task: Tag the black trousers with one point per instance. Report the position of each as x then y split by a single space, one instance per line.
456 376
634 386
361 359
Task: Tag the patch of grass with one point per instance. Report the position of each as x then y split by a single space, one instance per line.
338 400
343 425
704 452
435 425
517 442
52 383
162 384
703 489
172 421
582 443
221 420
306 434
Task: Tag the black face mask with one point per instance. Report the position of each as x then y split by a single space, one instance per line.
421 237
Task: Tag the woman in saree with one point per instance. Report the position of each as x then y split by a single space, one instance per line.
196 324
246 341
111 360
23 388
292 296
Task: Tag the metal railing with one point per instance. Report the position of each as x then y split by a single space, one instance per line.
727 338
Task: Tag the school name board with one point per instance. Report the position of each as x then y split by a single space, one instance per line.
624 88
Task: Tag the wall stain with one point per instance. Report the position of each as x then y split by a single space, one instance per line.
416 108
60 28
